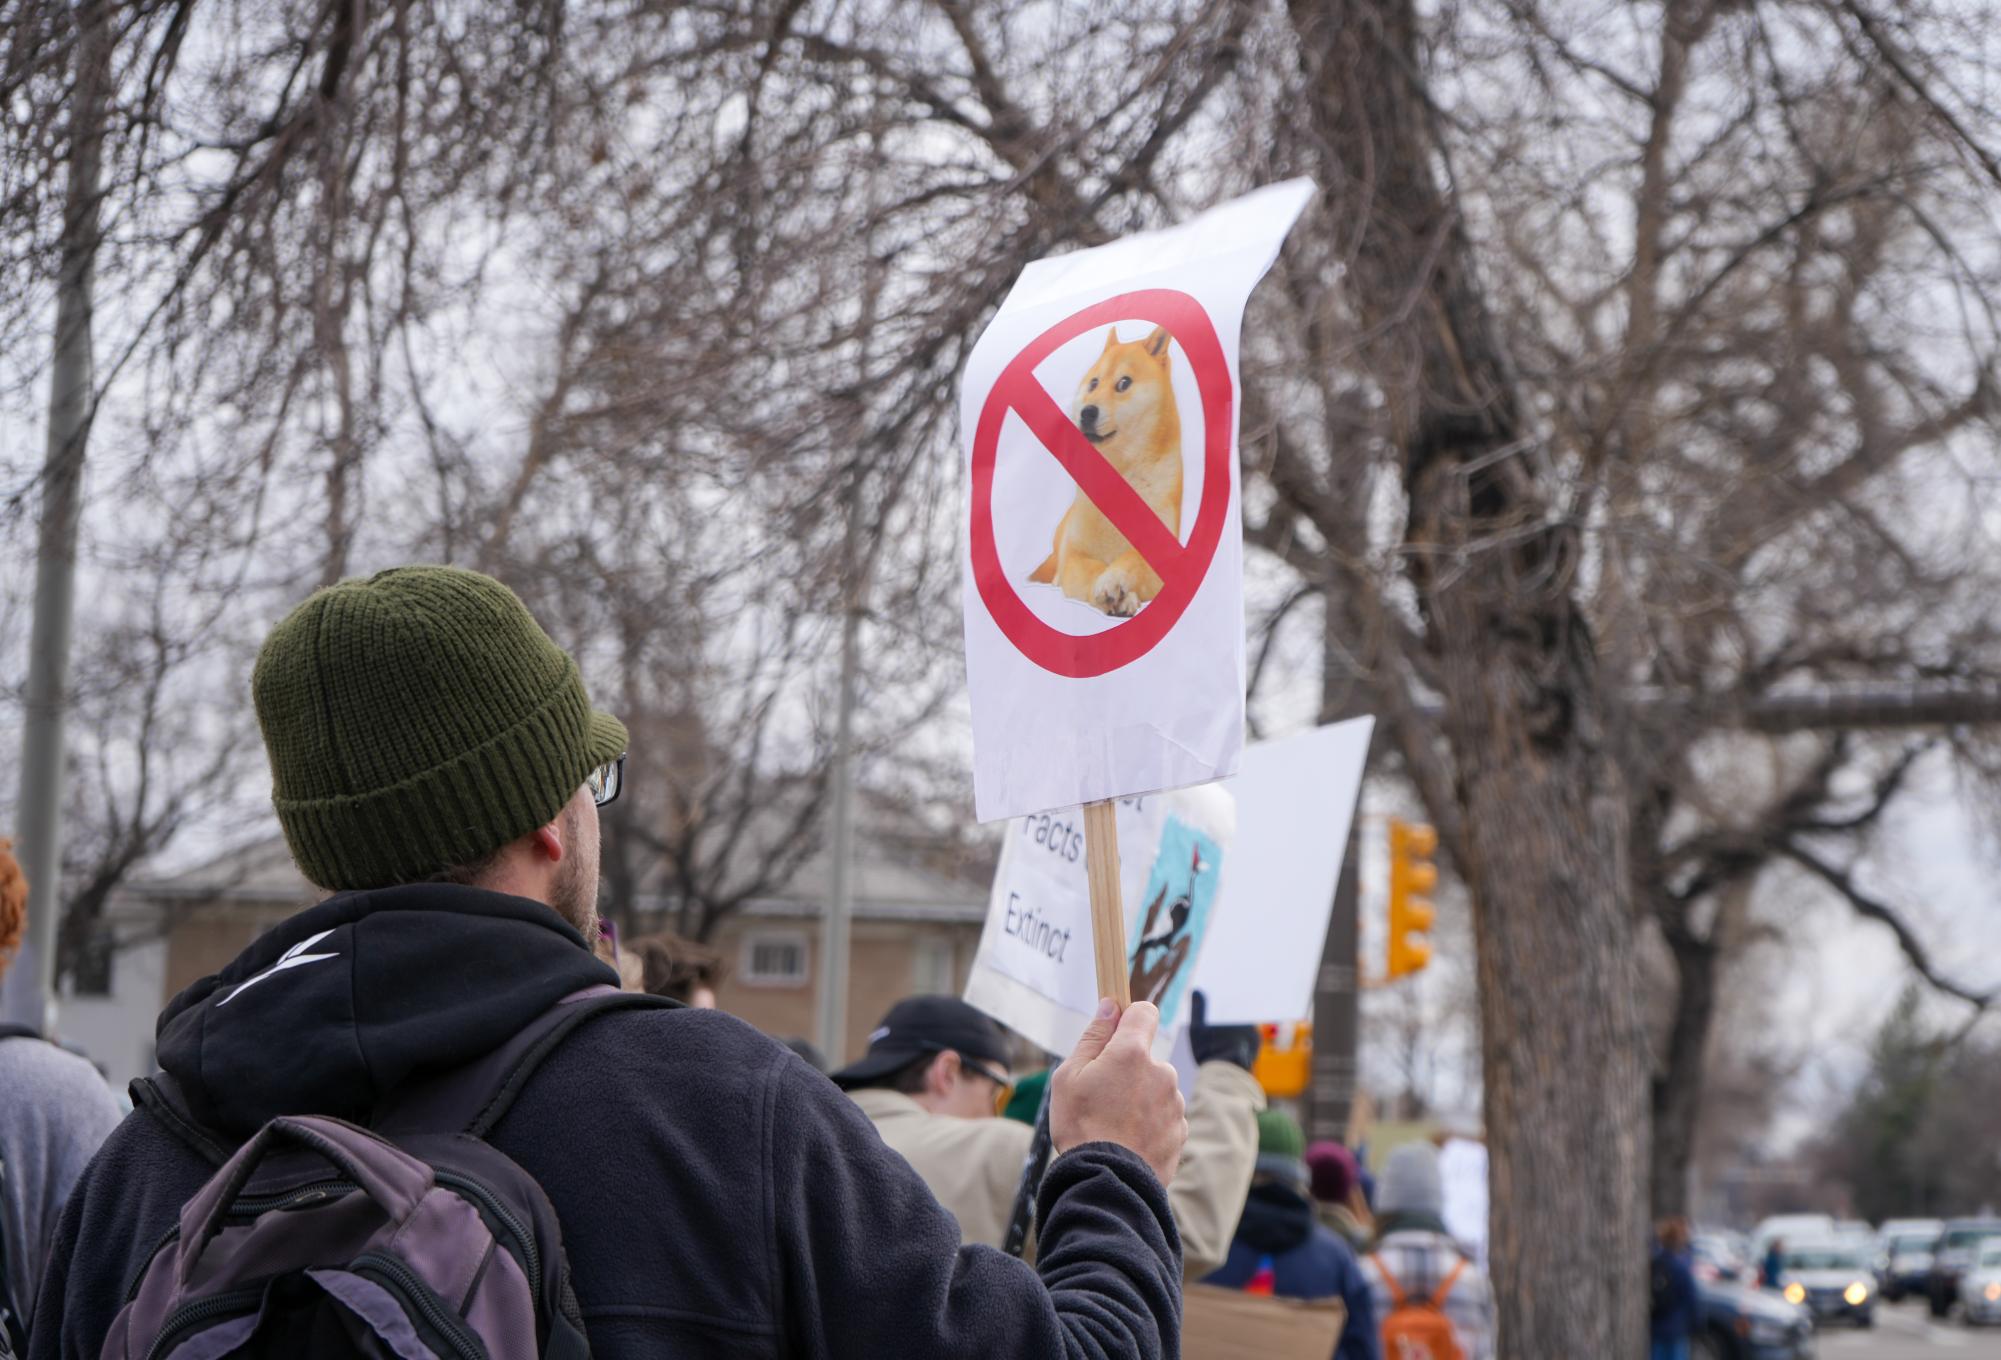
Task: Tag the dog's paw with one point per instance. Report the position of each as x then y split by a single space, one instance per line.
1115 596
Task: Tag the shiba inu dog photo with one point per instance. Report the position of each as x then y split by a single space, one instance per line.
1124 406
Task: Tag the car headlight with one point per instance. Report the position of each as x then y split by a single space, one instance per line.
1795 1292
1857 1294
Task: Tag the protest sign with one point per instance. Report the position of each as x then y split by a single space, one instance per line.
1035 968
1229 1324
1104 561
1229 886
1296 798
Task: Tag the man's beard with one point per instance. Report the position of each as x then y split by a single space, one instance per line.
574 894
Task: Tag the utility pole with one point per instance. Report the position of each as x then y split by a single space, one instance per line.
1331 1087
840 903
1330 1093
30 988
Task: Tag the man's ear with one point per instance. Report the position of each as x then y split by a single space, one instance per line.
942 1074
548 841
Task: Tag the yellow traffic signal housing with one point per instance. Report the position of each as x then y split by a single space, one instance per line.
1412 875
1283 1071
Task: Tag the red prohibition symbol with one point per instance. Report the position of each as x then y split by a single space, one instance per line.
1182 566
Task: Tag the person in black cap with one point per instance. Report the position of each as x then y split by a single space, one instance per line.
936 1073
941 1053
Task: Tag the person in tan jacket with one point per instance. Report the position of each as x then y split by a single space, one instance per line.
936 1076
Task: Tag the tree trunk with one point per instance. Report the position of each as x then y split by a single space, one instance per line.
1537 790
1677 1099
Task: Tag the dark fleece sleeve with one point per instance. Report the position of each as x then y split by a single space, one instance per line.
868 1263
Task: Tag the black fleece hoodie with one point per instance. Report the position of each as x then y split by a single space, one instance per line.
718 1197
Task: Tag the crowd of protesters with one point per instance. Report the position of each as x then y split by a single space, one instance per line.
437 770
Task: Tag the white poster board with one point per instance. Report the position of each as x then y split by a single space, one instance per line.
1104 554
1296 800
1279 829
1462 1173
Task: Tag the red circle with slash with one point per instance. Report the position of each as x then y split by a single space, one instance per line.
1181 566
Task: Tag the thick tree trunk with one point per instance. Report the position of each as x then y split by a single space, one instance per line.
1538 792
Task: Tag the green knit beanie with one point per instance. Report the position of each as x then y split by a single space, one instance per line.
416 721
1279 1135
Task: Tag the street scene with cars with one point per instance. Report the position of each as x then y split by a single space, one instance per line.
1809 1285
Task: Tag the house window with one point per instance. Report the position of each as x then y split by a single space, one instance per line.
774 959
931 966
93 964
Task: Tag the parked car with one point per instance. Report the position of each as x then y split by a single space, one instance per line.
1738 1322
1718 1256
1980 1287
1907 1263
1832 1278
1788 1228
1958 1243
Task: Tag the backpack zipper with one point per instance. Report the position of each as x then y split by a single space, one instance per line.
190 1315
412 1287
487 1201
246 1207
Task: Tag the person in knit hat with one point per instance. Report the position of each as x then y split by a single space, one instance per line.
1281 1249
1415 1265
54 1112
437 767
1337 1192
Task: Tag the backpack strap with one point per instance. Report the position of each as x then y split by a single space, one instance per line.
1397 1296
1437 1299
473 1098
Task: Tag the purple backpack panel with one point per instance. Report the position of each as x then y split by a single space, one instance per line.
318 1230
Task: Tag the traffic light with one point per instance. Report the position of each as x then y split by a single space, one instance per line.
1412 875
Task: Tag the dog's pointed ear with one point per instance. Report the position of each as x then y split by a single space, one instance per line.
1156 344
1111 339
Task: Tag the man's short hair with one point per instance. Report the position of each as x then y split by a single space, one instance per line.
674 967
908 1079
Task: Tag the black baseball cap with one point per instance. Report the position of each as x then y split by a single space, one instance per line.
919 1025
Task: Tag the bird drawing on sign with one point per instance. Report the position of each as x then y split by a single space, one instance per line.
1164 946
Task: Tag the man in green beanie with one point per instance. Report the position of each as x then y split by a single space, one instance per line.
437 768
422 727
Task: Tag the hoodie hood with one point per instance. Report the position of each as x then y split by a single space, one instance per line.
333 1008
1276 1219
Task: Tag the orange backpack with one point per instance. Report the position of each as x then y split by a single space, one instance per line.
1417 1329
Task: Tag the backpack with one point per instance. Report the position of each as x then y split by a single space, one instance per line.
410 1239
1417 1329
13 1331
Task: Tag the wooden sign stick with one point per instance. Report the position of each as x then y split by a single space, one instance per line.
1108 911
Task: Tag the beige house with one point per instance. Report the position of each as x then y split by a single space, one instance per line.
914 930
